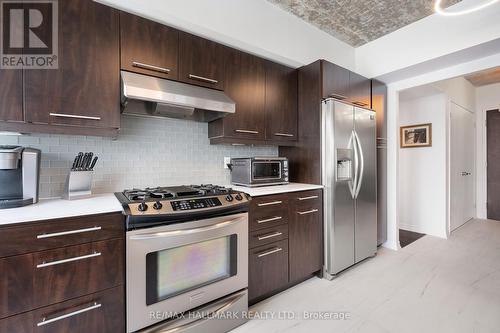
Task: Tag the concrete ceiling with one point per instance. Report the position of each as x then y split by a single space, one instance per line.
358 22
483 78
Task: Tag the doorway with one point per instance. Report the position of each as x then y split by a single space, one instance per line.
462 166
493 160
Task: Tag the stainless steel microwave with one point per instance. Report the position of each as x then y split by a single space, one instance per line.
259 171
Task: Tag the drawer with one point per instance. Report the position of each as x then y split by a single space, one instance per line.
306 197
267 269
101 312
269 235
51 234
77 270
38 279
268 211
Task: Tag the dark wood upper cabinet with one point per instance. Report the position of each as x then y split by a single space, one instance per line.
201 61
335 81
148 47
85 90
11 94
244 84
359 90
281 102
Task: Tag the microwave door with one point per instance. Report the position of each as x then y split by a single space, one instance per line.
265 171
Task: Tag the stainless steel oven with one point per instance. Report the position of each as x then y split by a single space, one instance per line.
178 267
259 171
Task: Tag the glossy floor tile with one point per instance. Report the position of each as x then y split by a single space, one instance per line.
432 285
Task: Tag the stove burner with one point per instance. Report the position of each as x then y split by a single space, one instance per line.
155 193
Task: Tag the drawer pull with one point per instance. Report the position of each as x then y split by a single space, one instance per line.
308 212
246 131
309 198
201 78
63 115
274 234
270 203
70 232
63 261
276 218
338 96
150 67
67 315
359 103
284 134
266 253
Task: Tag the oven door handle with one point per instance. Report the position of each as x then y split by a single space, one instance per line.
179 232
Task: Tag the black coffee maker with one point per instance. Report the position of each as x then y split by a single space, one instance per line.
19 176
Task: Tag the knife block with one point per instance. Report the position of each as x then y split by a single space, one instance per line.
78 185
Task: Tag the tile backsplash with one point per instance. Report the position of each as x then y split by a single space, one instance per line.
147 152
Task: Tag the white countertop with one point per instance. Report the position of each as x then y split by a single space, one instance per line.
275 189
58 208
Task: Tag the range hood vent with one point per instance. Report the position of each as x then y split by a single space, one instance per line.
143 95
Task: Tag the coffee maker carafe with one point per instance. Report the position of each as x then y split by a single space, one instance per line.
19 176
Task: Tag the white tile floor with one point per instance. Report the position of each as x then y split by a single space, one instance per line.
432 285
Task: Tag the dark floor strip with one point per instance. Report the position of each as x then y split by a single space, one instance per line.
407 237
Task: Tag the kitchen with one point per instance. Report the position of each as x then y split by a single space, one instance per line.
155 179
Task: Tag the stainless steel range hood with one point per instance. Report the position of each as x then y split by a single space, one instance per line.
143 95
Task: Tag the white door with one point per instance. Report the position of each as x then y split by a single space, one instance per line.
462 166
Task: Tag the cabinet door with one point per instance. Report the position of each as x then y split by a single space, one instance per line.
148 47
85 89
335 81
201 61
16 285
268 269
281 102
245 84
305 235
11 94
359 90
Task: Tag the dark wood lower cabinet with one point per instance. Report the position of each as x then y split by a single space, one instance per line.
287 247
102 312
268 269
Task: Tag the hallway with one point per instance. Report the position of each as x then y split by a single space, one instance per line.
432 285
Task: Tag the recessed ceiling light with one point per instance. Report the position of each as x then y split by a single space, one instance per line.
441 11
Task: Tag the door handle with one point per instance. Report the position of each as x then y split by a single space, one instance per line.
308 212
74 116
270 203
352 145
203 79
276 218
266 253
362 164
150 67
271 235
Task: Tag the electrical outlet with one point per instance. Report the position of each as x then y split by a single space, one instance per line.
227 160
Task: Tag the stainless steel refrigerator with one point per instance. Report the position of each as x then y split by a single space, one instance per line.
349 176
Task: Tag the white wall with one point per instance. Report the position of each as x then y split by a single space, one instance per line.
423 171
460 91
255 26
487 98
429 38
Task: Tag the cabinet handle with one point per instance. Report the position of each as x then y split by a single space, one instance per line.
270 203
203 79
309 198
62 233
63 115
266 253
150 67
272 235
63 261
67 315
270 220
360 103
246 131
284 134
338 96
308 212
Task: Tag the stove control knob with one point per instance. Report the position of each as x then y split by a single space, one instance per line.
229 197
157 205
238 197
142 207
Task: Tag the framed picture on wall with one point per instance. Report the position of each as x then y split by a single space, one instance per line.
415 136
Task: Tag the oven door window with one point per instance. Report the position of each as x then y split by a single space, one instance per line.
174 271
266 170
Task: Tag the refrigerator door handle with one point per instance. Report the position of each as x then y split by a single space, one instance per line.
352 145
362 164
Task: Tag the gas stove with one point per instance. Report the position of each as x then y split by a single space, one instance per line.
165 205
